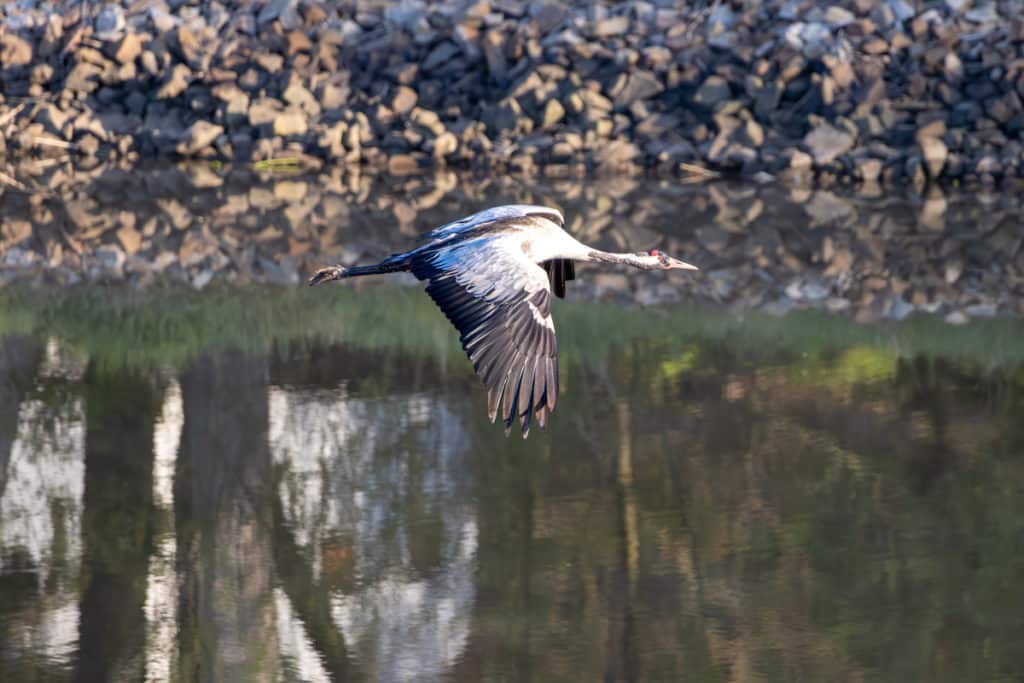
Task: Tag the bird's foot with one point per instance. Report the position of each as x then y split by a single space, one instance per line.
327 274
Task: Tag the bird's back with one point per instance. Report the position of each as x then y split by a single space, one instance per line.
492 218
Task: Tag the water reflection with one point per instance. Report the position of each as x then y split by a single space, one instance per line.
42 458
868 255
320 512
374 492
161 579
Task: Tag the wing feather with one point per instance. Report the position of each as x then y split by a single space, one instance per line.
500 302
551 370
515 382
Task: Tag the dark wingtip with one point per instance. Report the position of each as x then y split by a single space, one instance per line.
525 419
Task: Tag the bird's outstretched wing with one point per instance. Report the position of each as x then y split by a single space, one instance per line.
495 214
500 302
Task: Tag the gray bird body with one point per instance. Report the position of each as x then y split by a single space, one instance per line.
492 274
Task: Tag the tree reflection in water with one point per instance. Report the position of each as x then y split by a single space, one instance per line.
326 512
42 463
374 493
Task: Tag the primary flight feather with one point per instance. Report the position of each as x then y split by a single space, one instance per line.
493 274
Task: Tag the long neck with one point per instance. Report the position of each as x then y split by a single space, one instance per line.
635 260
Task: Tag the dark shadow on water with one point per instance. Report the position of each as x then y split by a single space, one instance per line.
120 410
224 524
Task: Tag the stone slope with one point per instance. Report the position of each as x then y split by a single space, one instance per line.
875 90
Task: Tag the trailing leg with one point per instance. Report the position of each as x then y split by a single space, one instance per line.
388 265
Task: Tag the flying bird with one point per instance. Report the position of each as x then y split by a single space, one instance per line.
493 274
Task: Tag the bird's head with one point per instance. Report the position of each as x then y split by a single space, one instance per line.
659 260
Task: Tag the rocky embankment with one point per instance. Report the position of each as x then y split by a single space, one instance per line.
760 247
870 90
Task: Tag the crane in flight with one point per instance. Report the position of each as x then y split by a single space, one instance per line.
493 274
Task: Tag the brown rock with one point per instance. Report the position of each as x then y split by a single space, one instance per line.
130 238
752 133
553 113
800 161
263 111
150 63
402 164
236 101
828 91
932 129
445 145
176 82
128 49
88 145
613 26
187 47
41 74
84 77
297 95
842 74
616 154
792 68
332 96
313 15
639 86
298 42
290 190
91 55
14 232
875 46
198 136
869 169
269 62
290 123
827 142
88 122
404 100
934 153
330 140
15 51
952 67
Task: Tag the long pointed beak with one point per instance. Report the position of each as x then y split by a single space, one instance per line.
683 265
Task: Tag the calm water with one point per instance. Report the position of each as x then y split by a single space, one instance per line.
699 509
256 483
